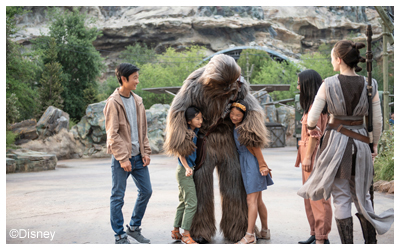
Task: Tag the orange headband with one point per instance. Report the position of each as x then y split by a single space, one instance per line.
241 106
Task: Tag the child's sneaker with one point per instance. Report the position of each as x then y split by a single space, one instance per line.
137 235
122 240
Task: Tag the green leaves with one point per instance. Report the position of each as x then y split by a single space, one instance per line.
81 62
384 162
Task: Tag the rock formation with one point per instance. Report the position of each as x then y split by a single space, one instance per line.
287 30
51 122
23 160
25 130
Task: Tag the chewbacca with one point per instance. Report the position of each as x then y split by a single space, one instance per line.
212 88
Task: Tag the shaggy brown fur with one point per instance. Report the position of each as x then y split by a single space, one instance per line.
210 89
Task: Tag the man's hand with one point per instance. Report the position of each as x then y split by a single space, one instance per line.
146 160
189 172
306 164
126 165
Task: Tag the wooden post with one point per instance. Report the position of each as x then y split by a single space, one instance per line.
385 79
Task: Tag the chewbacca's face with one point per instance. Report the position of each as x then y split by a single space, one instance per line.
220 77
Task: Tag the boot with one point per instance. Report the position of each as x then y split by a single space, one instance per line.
345 228
368 230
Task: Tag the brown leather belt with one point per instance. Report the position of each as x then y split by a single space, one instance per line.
337 125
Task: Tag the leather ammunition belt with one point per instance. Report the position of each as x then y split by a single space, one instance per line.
337 125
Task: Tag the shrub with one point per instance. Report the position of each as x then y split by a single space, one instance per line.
10 139
384 162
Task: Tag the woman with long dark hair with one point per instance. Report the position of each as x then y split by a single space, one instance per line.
344 164
319 213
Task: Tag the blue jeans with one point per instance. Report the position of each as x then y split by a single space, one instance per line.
141 177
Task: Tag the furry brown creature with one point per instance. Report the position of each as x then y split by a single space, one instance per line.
211 88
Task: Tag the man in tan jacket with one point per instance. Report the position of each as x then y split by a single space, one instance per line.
127 141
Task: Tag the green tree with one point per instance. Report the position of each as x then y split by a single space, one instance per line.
51 81
12 112
254 57
90 94
81 62
138 54
107 87
319 61
273 72
22 70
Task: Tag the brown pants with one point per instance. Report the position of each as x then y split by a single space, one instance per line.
319 214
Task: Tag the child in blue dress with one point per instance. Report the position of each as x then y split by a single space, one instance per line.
256 177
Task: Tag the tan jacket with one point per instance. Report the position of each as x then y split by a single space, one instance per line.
118 128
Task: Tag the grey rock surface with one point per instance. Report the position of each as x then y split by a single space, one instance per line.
30 161
25 130
51 122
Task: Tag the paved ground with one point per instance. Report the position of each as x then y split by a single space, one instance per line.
71 204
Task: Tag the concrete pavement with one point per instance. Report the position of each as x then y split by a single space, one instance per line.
71 204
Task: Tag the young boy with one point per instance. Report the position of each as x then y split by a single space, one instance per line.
127 141
187 191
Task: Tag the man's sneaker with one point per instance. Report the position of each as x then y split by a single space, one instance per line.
122 240
137 235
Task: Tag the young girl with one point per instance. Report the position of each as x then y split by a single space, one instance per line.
319 213
187 191
256 177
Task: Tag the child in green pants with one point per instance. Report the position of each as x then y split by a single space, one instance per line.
187 191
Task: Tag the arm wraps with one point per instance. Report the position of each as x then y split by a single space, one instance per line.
315 111
377 120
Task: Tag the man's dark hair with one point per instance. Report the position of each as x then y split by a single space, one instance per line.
191 113
309 81
125 69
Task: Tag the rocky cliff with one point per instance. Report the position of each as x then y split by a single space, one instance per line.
287 30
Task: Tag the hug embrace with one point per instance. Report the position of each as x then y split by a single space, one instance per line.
215 107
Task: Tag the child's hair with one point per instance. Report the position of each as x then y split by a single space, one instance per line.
125 69
349 52
309 81
191 113
242 106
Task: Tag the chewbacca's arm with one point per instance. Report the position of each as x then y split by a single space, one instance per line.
179 139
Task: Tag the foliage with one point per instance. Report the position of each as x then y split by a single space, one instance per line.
72 122
12 112
384 162
10 139
138 54
253 57
106 88
90 94
80 61
22 70
273 72
51 81
319 61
